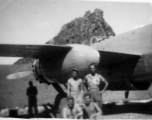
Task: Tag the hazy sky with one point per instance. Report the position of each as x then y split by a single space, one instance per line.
37 21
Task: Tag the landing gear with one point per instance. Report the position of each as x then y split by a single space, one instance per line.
128 82
126 94
58 88
57 103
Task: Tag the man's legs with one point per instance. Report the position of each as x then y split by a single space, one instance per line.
98 100
92 95
30 111
35 107
58 103
80 98
96 97
33 104
75 96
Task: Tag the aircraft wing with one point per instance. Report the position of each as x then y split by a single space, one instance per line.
117 64
31 51
118 68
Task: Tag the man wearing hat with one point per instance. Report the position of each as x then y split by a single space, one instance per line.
74 86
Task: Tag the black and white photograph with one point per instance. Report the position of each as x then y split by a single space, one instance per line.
75 59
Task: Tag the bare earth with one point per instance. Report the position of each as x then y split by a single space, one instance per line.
13 94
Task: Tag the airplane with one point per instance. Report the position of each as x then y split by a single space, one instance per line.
124 60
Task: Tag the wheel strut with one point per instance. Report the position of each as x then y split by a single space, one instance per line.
58 88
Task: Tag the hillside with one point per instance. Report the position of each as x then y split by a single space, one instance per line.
82 29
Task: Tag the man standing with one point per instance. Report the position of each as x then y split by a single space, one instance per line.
72 110
32 100
74 88
92 82
91 108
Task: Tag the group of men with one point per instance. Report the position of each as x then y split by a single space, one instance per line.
84 96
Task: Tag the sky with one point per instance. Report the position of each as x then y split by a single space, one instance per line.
37 21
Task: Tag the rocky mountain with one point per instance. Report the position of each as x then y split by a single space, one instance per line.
81 30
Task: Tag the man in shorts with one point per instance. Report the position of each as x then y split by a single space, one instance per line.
92 82
91 108
72 110
74 87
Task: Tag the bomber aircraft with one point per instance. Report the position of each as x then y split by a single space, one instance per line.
124 60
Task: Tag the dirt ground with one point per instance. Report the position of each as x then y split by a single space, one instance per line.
13 94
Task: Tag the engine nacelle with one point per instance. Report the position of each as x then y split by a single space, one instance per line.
57 68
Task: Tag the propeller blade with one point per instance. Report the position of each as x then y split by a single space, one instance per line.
19 75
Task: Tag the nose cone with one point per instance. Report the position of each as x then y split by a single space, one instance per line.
92 56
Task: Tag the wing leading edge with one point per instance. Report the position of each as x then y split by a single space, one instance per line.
32 51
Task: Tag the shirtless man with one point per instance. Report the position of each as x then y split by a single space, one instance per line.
92 82
74 88
72 110
91 108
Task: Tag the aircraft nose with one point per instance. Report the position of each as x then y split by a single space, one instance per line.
92 56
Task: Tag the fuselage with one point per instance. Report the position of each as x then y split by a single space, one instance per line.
135 42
